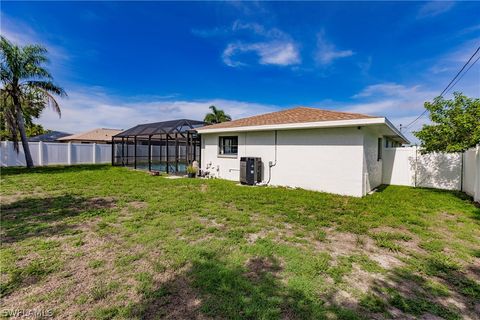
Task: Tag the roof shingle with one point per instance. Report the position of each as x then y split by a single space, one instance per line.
294 115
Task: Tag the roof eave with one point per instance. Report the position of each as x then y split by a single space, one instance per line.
297 125
396 131
310 125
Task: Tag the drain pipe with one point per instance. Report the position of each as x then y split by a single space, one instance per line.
270 164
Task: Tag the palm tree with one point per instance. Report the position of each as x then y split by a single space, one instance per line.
216 116
27 89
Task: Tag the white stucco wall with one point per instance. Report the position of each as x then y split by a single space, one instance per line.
329 159
372 167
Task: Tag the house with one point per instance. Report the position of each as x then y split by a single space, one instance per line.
100 135
51 136
309 148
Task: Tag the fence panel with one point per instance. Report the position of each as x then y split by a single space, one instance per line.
53 153
471 172
408 167
103 153
439 170
82 153
398 166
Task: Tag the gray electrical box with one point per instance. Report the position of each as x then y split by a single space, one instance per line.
250 170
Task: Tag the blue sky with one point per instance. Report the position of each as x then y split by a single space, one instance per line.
127 63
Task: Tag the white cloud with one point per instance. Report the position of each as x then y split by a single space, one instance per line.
454 60
89 108
387 89
271 46
434 8
270 53
327 52
400 103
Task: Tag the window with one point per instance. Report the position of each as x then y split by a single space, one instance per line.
228 146
379 149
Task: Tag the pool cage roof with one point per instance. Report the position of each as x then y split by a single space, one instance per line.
159 128
168 146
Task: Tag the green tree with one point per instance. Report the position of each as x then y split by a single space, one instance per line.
32 130
35 129
27 89
455 124
216 116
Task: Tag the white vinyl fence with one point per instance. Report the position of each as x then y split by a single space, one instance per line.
451 171
53 153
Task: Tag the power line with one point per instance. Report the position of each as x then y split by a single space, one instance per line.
448 87
463 74
478 49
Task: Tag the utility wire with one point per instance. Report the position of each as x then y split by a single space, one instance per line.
478 58
448 87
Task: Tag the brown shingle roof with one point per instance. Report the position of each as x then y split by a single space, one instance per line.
295 115
100 134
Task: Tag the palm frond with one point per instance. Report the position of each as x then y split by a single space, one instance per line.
47 86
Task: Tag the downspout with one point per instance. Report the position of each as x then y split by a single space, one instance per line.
270 164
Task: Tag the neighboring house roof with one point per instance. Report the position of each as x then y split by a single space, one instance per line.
100 134
302 117
50 136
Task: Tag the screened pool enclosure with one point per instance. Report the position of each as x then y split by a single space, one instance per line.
168 146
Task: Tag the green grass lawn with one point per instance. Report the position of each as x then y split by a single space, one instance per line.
102 242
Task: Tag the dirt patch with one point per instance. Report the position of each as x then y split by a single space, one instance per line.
100 203
447 216
138 204
10 198
361 280
385 260
203 188
343 298
212 223
344 244
253 237
181 302
258 267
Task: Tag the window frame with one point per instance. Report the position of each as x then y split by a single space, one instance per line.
221 147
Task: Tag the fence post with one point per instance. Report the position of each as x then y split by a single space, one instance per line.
40 153
476 188
94 153
69 153
462 168
3 153
416 166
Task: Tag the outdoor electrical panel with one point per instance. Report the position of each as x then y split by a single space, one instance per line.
250 170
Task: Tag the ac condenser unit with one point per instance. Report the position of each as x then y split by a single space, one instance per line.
250 170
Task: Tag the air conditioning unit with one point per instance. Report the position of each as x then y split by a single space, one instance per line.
250 170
